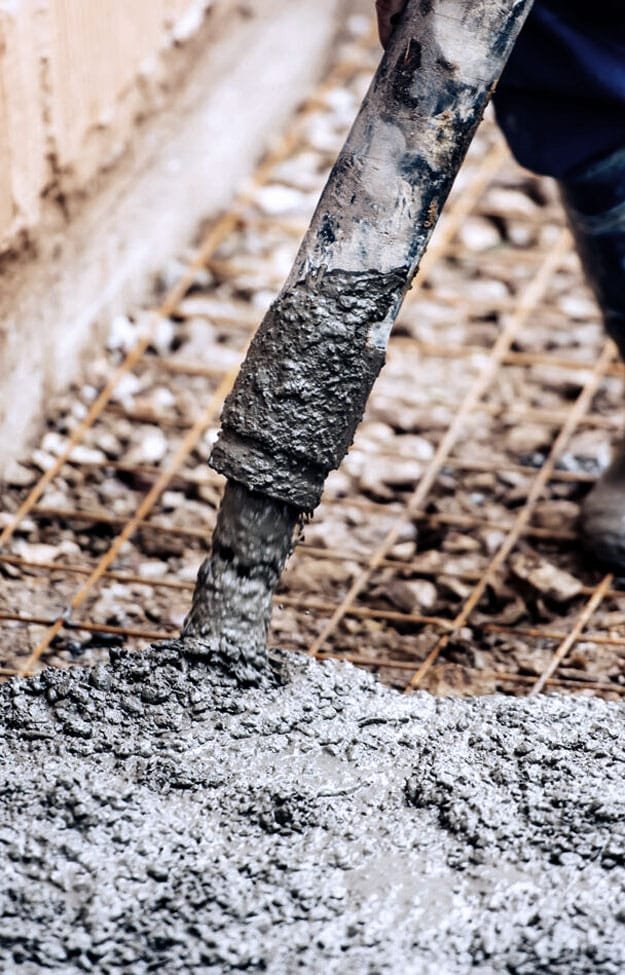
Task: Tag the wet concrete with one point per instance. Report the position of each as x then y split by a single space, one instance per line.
156 817
232 601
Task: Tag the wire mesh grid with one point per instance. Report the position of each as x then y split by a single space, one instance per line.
444 555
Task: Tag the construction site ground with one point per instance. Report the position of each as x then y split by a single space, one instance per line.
445 554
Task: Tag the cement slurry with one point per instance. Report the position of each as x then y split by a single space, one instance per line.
157 817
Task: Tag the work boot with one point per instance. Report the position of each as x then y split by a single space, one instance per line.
595 203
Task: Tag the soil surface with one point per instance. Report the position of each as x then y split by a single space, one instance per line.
158 818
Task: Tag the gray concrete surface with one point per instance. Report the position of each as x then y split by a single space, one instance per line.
158 818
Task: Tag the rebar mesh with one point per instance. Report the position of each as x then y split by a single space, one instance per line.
490 421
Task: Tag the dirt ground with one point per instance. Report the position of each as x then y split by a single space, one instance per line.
444 554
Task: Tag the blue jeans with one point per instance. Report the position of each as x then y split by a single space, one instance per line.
561 99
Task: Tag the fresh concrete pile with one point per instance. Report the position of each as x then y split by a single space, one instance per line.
156 817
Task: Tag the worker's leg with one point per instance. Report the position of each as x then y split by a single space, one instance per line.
561 99
561 104
595 202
